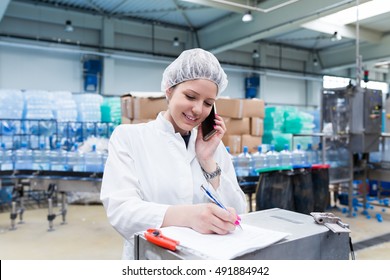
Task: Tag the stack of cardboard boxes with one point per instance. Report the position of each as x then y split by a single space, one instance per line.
142 107
244 119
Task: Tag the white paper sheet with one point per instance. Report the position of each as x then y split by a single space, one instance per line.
224 247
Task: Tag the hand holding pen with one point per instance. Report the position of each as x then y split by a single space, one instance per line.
218 203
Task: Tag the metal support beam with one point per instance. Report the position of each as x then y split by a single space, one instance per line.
3 7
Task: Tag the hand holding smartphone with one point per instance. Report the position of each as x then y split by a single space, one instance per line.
208 125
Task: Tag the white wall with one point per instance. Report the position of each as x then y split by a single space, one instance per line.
278 90
22 68
40 70
236 85
137 76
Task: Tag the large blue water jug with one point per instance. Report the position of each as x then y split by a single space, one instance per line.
76 161
285 156
58 159
273 157
299 157
41 159
93 161
6 158
243 163
23 158
259 160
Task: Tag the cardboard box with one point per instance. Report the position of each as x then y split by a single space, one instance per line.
257 126
237 126
233 142
148 108
142 105
251 141
240 108
126 106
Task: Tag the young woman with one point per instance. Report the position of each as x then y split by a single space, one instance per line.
154 171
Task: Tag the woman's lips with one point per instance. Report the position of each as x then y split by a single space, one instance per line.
190 118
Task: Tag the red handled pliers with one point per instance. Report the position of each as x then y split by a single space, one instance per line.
155 236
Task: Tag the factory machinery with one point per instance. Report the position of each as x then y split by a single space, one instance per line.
54 184
352 125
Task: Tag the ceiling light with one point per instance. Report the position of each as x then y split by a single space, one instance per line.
383 64
68 26
336 37
247 17
176 42
315 62
255 54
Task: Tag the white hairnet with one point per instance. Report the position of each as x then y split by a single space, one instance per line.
194 64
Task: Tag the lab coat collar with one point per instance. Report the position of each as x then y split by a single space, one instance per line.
166 126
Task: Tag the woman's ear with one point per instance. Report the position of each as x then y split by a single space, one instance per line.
168 94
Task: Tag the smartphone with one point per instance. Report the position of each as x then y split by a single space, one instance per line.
208 125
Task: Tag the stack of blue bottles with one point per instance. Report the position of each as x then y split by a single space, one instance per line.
39 116
88 107
6 158
23 158
11 112
259 161
93 161
285 157
76 161
243 163
41 159
66 116
89 113
58 159
11 104
39 106
65 106
273 157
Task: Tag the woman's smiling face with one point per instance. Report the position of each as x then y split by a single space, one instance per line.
189 103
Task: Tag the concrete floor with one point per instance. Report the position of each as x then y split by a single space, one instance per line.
88 235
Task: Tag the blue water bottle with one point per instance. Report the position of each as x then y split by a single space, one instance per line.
58 159
299 158
273 157
23 158
243 163
76 160
259 161
285 156
93 160
311 155
6 158
41 160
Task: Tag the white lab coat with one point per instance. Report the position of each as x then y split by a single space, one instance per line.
149 168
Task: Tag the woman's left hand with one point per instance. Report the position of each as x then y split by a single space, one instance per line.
205 149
